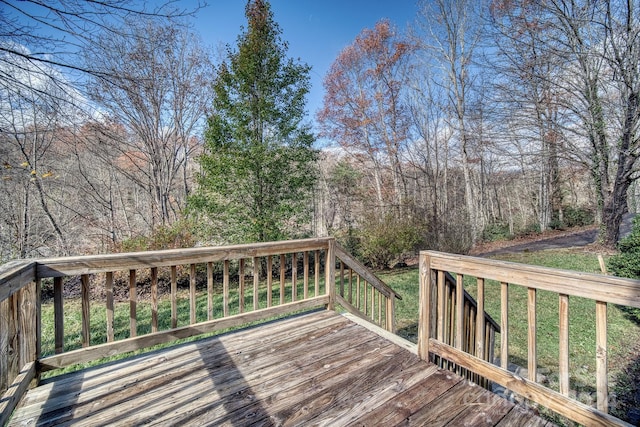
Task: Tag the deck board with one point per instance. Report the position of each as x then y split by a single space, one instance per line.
314 369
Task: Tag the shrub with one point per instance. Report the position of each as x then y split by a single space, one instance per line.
496 231
577 217
387 239
177 235
627 262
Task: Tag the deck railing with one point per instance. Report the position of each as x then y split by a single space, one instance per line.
432 341
244 283
362 293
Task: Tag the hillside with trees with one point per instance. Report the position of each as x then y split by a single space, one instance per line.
120 130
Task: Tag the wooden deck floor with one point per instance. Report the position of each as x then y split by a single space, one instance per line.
316 369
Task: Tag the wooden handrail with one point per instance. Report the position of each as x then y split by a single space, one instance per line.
365 273
378 287
601 289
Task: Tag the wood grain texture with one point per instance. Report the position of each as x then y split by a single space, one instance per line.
318 368
593 286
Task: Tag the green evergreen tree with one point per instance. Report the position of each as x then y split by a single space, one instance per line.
258 168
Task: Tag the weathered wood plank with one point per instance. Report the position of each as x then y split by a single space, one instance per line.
563 338
58 314
319 368
186 372
446 407
602 383
174 297
108 285
88 264
133 298
14 276
154 299
504 325
531 390
409 401
209 291
10 399
532 332
588 285
137 343
192 294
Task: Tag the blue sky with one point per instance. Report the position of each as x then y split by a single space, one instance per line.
316 30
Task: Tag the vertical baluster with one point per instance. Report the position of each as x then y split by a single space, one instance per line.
241 286
210 288
282 278
342 279
373 303
305 264
532 328
351 286
601 357
58 314
133 298
86 311
358 302
316 273
256 283
563 359
269 281
192 294
441 306
459 311
480 320
154 299
365 300
294 276
225 289
108 285
174 297
504 325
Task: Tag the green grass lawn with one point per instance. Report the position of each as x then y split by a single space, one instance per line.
623 324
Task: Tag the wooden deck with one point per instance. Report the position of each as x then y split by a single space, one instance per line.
319 368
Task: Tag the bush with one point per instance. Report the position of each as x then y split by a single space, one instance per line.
577 217
496 231
388 239
627 262
177 235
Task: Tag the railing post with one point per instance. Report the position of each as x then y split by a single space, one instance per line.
424 317
391 313
330 273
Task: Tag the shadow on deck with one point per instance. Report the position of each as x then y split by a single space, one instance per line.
320 368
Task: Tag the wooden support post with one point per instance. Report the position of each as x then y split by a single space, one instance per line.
330 274
241 286
424 315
